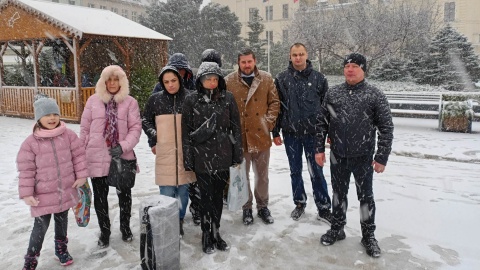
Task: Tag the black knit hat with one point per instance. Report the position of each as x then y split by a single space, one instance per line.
211 55
357 59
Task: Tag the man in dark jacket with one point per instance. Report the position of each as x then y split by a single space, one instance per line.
354 112
180 62
258 104
301 90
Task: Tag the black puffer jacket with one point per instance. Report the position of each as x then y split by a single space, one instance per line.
223 148
301 94
178 60
353 115
162 103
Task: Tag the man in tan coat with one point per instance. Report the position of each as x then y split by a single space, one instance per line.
259 105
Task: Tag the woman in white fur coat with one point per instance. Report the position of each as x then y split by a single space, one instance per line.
110 127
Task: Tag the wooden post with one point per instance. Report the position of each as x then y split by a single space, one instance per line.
3 48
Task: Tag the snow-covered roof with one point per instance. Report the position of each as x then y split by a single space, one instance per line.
83 20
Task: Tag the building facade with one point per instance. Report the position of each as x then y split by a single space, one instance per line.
278 14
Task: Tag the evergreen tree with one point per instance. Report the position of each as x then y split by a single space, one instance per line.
391 70
449 62
279 57
254 41
222 32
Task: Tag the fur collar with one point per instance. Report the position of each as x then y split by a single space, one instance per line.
101 87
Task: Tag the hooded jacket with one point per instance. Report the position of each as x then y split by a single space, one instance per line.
258 105
301 94
353 115
93 122
161 123
179 61
49 162
223 147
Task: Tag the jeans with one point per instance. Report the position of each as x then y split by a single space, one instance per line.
362 170
40 227
180 193
295 145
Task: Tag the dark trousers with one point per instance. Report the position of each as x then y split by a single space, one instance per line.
194 195
40 227
211 198
362 170
295 145
100 201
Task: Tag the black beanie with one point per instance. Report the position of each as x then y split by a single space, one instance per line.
357 59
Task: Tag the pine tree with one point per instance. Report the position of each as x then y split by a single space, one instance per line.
391 70
254 42
449 62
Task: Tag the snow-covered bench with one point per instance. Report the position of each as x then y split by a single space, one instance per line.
412 103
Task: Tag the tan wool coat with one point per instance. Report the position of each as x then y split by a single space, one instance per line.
169 158
258 105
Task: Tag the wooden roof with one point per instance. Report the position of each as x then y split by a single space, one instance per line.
29 19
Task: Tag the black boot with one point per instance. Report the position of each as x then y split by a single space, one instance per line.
207 243
220 244
127 235
181 228
104 239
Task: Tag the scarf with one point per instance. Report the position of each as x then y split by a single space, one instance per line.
111 127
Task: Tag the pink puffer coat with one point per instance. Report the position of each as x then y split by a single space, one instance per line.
49 162
93 122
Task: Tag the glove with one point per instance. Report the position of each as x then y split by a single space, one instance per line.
115 151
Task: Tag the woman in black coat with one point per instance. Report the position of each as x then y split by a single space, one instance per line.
211 144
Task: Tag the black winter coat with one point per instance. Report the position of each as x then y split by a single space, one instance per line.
301 95
178 60
223 147
162 103
353 115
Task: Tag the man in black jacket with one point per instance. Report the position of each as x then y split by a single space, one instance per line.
354 112
180 62
301 90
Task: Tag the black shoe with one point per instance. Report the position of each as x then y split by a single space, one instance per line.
265 215
220 244
207 243
196 217
325 216
247 217
371 246
104 240
298 212
181 228
127 235
332 236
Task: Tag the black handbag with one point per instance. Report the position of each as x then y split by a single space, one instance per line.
122 173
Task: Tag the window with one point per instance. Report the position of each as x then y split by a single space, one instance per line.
55 1
269 37
103 7
114 9
125 13
134 16
269 13
285 11
252 13
91 5
343 1
449 12
71 2
285 36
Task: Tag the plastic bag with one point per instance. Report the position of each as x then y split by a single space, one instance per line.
238 187
82 209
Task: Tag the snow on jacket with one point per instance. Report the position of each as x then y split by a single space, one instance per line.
258 105
353 115
224 147
301 95
161 123
49 162
93 122
179 61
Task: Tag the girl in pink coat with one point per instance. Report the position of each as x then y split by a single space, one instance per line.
110 127
51 164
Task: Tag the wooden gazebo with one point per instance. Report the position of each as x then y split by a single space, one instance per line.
94 38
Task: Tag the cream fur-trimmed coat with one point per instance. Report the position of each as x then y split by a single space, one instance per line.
93 122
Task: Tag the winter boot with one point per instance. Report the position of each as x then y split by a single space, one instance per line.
332 236
371 246
61 252
195 216
220 244
181 228
31 261
325 216
104 239
265 215
247 217
298 212
207 243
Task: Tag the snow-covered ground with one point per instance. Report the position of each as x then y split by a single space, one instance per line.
428 205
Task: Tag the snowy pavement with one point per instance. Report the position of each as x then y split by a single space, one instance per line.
428 204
